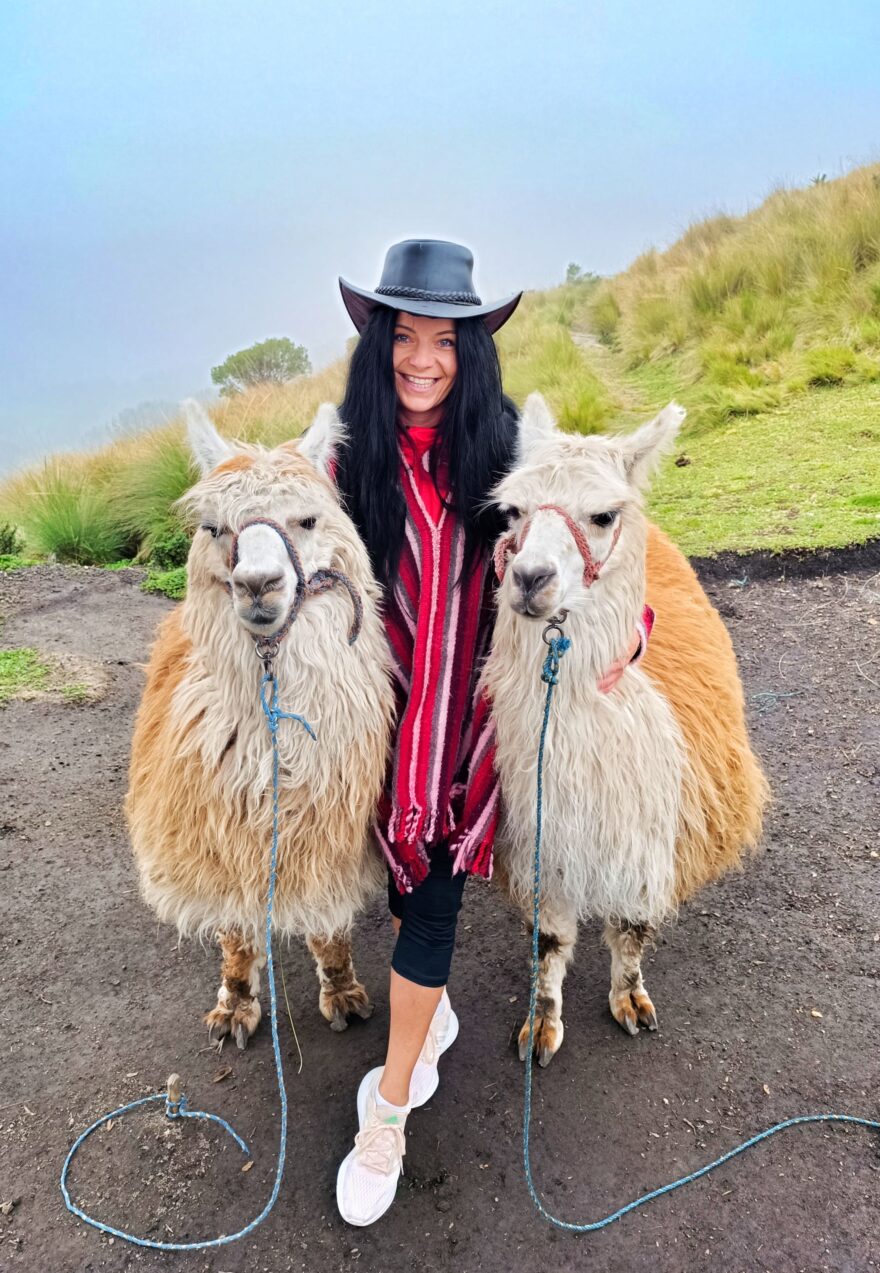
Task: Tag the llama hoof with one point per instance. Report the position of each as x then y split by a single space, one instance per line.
645 1010
217 1021
631 1009
546 1043
338 1007
240 1022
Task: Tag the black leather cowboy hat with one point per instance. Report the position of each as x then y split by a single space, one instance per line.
430 277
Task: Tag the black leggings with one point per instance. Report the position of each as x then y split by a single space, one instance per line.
428 918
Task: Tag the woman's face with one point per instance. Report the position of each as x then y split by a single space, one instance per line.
424 361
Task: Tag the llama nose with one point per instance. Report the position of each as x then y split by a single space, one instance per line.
255 581
532 581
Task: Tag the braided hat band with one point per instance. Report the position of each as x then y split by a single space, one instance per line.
419 294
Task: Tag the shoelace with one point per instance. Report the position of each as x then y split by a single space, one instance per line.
380 1146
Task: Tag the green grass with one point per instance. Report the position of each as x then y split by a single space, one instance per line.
20 670
75 693
169 583
11 561
806 475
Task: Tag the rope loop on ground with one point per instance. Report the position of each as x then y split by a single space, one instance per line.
558 644
176 1106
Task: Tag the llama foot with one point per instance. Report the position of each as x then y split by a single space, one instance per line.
239 1021
547 1040
631 1008
338 1005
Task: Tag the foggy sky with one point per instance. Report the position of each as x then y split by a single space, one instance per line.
180 179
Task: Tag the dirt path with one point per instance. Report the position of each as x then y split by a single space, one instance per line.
605 365
99 1005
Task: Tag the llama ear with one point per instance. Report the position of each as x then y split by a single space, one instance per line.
536 425
206 444
643 450
320 441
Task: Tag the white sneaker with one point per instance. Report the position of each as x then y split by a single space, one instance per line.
367 1179
442 1033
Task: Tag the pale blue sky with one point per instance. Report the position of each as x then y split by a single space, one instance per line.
181 178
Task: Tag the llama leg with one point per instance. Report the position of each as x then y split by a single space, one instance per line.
556 938
629 1001
341 992
238 1000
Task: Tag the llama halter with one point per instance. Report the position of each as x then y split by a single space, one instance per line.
320 581
513 544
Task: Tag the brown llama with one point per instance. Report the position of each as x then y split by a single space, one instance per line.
199 803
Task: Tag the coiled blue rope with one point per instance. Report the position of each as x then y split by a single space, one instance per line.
178 1109
550 675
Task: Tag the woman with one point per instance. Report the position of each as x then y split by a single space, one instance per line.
429 435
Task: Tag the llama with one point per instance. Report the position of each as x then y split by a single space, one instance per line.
651 791
199 804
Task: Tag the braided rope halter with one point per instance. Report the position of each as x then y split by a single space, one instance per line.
512 544
321 581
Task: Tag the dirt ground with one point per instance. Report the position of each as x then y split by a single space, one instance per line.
767 991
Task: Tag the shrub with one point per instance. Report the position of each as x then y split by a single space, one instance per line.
170 583
11 543
170 550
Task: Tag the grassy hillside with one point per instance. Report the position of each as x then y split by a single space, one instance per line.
751 311
766 327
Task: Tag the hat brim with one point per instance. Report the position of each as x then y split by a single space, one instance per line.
361 303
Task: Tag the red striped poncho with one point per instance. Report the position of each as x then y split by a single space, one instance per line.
442 784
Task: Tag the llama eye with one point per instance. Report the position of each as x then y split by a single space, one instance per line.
604 519
216 532
512 514
308 523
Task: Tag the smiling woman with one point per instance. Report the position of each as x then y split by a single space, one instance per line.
425 365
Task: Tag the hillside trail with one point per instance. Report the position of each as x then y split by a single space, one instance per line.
605 364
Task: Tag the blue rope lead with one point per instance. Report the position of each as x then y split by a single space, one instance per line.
178 1109
550 675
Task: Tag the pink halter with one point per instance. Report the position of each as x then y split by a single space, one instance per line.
591 568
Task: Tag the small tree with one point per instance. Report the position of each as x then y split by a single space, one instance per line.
574 274
272 361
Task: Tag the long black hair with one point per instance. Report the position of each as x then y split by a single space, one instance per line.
478 437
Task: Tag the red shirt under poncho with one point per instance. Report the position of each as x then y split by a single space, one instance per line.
442 785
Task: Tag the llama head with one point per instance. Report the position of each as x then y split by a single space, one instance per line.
289 486
595 483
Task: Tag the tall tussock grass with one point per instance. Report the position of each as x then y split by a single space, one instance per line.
753 309
96 507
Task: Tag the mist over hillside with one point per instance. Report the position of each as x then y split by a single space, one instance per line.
766 327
